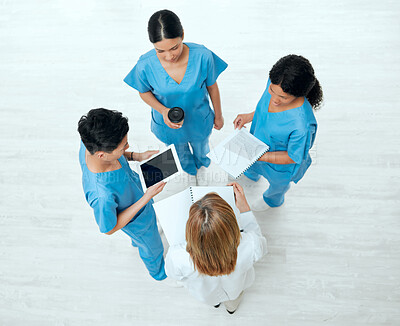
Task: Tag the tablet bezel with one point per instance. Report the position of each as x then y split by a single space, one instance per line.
176 160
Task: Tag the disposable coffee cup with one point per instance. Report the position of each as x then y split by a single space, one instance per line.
176 115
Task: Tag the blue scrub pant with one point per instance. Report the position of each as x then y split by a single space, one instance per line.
150 249
193 160
274 196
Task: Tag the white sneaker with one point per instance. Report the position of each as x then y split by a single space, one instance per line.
232 305
202 177
259 205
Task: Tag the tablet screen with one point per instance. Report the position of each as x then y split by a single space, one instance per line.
159 168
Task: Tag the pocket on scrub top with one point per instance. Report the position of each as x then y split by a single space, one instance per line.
155 121
205 114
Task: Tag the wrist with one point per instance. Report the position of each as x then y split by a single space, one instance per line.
245 208
164 111
146 197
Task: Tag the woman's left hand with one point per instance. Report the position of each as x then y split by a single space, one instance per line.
240 198
218 122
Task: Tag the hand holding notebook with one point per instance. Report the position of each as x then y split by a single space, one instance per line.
238 152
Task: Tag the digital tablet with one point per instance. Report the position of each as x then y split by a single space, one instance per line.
161 167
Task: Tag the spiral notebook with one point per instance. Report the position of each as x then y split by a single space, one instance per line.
173 212
236 153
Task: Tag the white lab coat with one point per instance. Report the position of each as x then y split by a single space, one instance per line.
216 289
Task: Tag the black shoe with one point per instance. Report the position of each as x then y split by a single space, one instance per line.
217 306
231 312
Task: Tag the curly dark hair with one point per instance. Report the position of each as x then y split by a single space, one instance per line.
102 130
295 75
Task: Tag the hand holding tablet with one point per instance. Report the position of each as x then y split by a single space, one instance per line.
163 166
154 189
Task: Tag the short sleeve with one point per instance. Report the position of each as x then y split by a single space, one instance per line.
105 212
215 66
137 79
299 145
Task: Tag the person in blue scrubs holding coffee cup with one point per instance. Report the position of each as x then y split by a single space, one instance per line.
285 121
184 75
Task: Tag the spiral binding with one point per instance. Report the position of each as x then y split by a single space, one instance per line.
255 160
191 194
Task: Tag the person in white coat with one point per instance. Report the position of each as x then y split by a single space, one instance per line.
216 265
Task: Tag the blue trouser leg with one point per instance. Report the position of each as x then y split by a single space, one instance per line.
252 174
186 158
200 151
279 183
150 250
275 194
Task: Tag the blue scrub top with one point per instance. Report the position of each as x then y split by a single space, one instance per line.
291 130
109 193
191 94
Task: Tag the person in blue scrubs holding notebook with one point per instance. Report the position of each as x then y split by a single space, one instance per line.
177 74
114 191
285 121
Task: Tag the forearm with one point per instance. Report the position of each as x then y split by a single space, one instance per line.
281 157
251 116
215 97
150 99
124 217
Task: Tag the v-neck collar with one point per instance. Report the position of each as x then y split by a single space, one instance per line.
297 107
186 71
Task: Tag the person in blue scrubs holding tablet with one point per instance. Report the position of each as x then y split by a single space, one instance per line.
285 121
177 74
114 191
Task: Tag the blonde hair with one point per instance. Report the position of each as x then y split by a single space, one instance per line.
212 236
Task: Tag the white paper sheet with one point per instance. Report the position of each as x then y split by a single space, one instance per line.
238 152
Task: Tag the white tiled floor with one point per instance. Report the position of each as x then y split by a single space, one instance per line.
334 246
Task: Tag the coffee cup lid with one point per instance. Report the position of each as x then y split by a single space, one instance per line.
176 115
